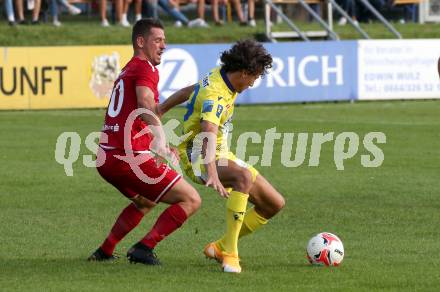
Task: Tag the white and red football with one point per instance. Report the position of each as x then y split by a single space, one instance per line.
325 249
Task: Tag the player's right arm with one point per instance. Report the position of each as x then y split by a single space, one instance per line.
145 99
208 153
176 98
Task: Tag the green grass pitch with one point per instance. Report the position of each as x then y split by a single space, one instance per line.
93 34
388 217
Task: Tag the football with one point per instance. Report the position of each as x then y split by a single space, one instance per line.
325 249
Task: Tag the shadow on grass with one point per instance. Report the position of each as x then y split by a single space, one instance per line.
62 265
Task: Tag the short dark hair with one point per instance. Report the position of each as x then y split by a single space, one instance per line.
142 28
247 55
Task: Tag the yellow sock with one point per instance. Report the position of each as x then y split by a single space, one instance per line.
252 221
236 208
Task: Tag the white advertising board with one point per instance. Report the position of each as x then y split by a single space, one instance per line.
398 69
429 11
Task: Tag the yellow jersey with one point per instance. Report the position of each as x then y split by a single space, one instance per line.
213 101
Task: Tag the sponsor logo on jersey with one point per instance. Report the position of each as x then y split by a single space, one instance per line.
207 106
205 81
219 111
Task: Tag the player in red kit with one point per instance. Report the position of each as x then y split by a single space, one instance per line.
133 150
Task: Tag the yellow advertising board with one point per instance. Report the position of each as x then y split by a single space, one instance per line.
59 77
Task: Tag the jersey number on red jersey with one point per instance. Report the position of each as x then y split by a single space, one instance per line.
118 93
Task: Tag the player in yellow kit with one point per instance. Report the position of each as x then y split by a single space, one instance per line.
207 159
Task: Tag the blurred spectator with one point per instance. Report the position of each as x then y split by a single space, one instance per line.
33 5
137 10
172 8
251 13
409 13
349 6
118 10
317 9
54 10
103 13
200 20
215 10
151 8
365 15
239 11
10 12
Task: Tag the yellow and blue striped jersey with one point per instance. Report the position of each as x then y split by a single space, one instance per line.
213 101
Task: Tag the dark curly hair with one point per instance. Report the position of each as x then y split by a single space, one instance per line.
247 55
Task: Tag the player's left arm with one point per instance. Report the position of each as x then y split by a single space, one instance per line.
175 99
208 153
145 99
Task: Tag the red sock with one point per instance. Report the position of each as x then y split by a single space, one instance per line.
170 219
127 220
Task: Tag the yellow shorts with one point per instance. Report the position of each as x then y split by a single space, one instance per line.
195 169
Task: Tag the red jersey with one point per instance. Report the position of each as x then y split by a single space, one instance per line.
123 101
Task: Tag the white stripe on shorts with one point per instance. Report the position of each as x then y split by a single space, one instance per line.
167 188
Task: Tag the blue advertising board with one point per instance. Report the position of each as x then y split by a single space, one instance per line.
302 72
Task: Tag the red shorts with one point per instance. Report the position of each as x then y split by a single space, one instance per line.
119 173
